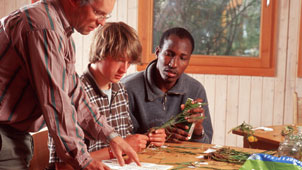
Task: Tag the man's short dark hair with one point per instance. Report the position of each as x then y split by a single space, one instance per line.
178 31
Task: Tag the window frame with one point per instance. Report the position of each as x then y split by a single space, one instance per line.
264 65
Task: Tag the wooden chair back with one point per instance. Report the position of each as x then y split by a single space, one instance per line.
41 153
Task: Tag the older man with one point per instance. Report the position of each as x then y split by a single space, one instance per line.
39 85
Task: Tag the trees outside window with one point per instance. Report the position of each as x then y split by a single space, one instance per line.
231 36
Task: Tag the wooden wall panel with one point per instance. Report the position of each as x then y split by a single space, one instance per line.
232 99
220 109
78 39
291 66
21 3
132 21
199 77
86 48
299 63
122 9
267 109
2 12
132 13
114 13
244 100
209 85
232 108
299 87
280 79
256 101
6 7
10 6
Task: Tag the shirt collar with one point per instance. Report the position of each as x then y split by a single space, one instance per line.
153 91
114 86
67 27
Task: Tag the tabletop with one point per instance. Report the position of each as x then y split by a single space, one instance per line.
182 156
187 153
267 140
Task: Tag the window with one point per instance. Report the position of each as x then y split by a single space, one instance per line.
235 37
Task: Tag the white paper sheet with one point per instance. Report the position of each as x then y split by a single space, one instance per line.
217 146
113 164
210 150
264 128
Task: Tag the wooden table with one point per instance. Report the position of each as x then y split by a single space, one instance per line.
267 140
186 152
164 156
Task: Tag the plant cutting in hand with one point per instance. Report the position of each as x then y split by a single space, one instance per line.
181 117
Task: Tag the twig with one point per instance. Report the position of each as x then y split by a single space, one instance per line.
181 117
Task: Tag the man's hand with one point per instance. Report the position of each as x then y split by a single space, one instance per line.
120 146
198 123
178 132
137 141
94 165
196 117
157 137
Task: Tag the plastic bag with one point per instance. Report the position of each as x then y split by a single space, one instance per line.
269 162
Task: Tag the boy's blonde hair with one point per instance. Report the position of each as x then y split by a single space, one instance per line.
115 39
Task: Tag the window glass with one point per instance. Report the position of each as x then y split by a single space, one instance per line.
219 27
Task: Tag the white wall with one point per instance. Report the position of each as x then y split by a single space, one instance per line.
260 101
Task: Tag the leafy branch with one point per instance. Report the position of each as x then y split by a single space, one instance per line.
232 156
246 129
181 117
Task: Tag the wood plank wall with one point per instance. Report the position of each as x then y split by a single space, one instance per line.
260 101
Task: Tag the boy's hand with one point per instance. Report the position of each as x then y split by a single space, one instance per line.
157 137
137 141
